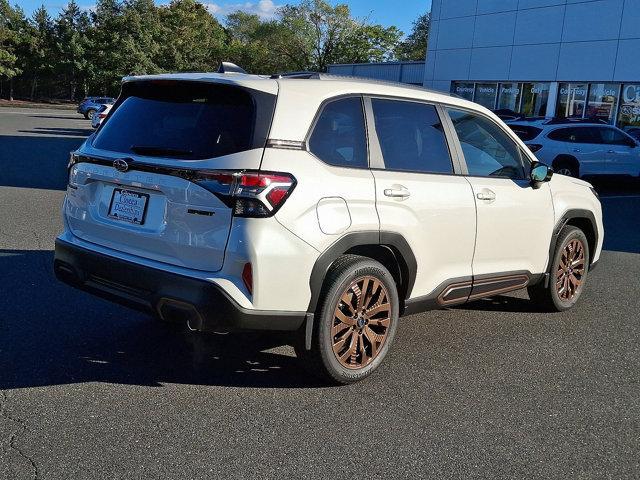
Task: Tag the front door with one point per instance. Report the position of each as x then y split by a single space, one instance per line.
623 153
514 220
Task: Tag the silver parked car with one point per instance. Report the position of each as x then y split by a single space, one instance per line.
578 148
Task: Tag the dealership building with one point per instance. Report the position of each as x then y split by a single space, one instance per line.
562 58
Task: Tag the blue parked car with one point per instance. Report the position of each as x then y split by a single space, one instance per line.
91 105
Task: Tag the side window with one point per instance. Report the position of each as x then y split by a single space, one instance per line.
611 136
575 135
411 136
488 151
339 136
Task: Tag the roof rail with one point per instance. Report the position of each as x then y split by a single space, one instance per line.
228 67
302 74
560 121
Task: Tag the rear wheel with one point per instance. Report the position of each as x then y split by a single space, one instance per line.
355 323
568 272
90 113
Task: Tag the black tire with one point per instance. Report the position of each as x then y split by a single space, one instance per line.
566 166
321 360
550 298
90 113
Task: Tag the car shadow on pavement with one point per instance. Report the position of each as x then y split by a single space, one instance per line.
501 303
67 132
60 117
51 334
35 162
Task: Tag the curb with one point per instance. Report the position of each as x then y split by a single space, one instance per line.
38 105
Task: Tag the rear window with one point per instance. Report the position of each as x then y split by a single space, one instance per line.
186 120
525 132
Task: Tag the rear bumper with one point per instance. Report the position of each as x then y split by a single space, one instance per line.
203 304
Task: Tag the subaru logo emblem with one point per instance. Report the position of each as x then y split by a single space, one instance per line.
121 165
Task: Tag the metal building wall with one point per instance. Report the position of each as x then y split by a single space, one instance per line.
533 40
404 72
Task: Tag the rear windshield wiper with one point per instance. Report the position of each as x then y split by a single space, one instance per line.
161 151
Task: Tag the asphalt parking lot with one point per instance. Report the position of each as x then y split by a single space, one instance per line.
494 389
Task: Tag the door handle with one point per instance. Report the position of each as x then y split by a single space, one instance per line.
486 195
397 191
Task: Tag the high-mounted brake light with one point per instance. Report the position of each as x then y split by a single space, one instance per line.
249 194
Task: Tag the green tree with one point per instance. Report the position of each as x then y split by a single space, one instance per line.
191 38
40 60
414 47
254 44
72 44
126 41
318 34
15 42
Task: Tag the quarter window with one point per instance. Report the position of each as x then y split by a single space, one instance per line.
339 137
411 137
488 151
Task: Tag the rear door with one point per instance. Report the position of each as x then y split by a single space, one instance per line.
514 220
154 181
418 193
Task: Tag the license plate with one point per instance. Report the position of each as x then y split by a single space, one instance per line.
128 206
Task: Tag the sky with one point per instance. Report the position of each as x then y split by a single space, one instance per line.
400 13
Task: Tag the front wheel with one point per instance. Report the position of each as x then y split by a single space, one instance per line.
356 321
568 273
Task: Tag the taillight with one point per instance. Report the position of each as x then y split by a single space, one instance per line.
249 194
102 115
534 147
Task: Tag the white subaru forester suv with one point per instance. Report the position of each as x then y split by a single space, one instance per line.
320 205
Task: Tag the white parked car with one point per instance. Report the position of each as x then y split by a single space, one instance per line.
320 205
579 149
100 115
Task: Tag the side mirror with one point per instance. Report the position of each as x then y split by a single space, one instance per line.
540 172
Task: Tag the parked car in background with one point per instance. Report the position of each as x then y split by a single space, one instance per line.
100 115
388 200
579 148
90 105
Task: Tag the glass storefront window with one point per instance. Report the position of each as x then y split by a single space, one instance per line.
602 101
571 100
534 99
629 113
509 98
486 94
463 89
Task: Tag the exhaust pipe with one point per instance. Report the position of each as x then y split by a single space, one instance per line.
176 311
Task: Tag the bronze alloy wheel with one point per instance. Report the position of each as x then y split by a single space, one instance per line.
571 269
361 322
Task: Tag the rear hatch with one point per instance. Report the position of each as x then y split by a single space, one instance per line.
153 179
